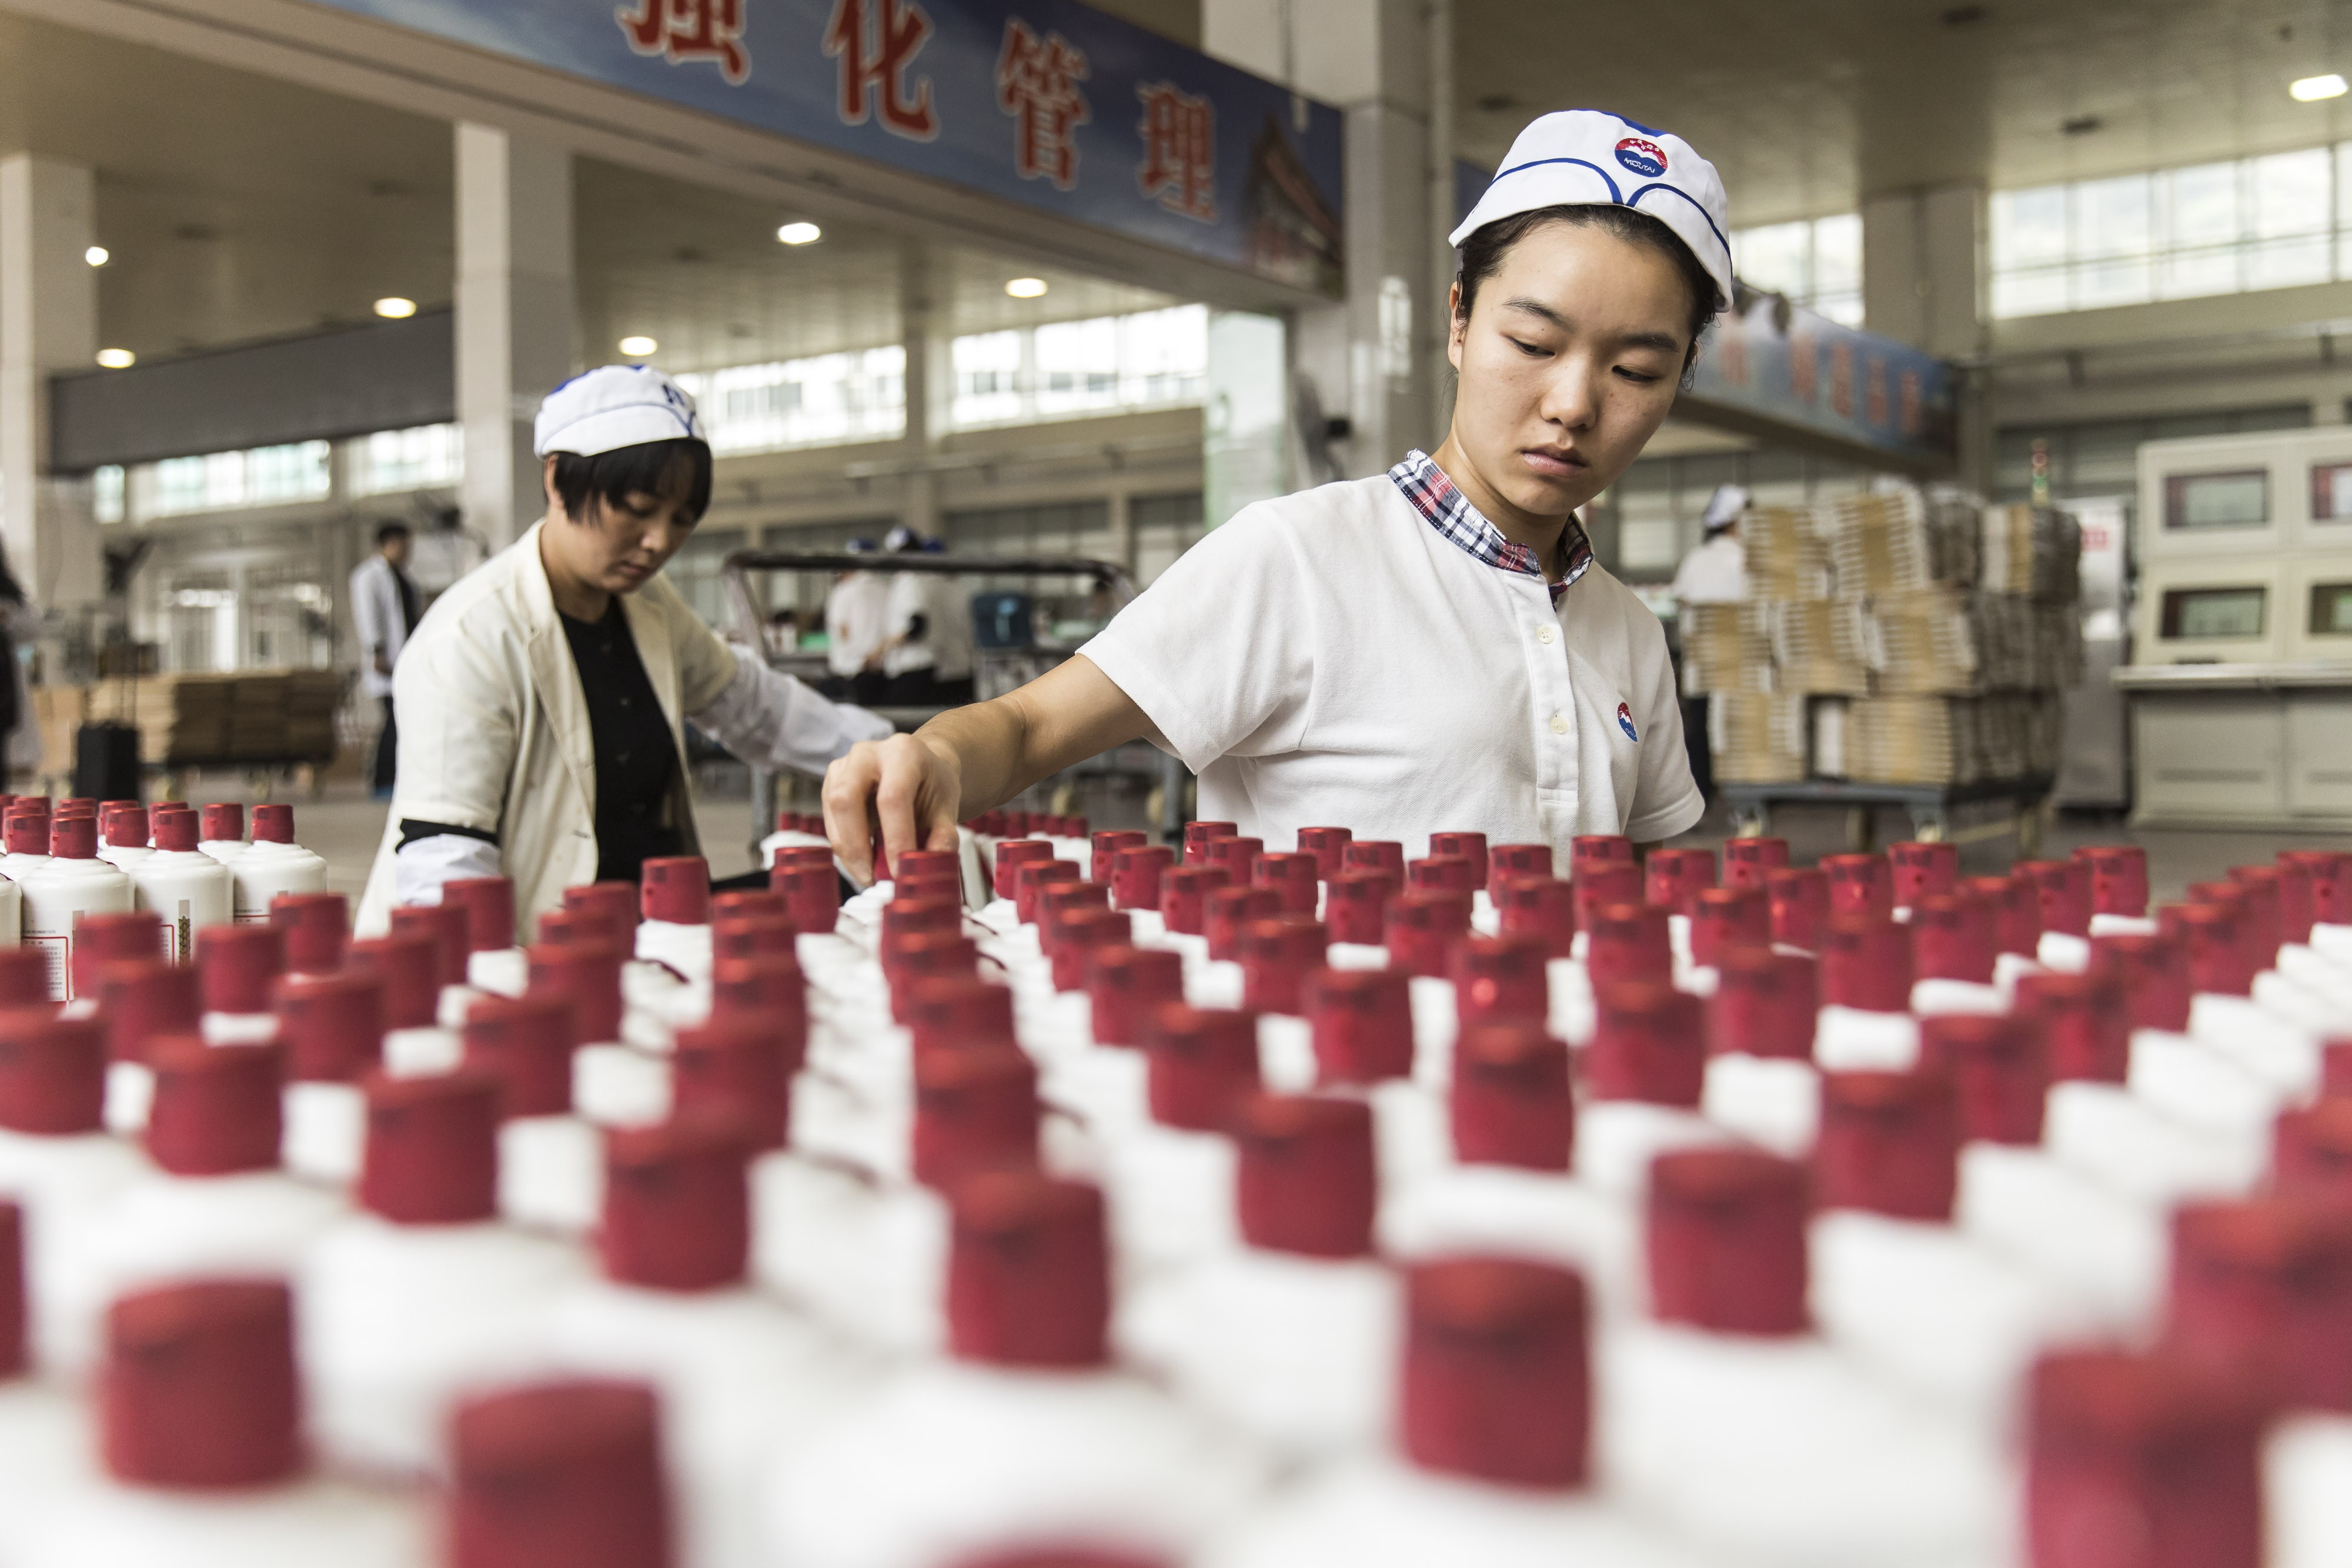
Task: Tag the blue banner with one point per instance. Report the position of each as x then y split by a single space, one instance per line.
1046 103
1781 362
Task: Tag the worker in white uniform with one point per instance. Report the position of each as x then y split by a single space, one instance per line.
1433 648
926 652
1716 573
542 699
386 606
856 624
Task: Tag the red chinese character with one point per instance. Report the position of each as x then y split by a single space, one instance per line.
1037 83
875 41
1180 151
686 30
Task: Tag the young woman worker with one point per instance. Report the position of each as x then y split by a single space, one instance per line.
541 699
1433 648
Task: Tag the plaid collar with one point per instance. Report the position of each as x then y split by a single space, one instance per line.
1447 509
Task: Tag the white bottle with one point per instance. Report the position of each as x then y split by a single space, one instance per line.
676 928
1493 1465
222 829
75 883
44 1431
537 1469
329 1036
124 837
273 863
188 889
789 834
26 835
1289 1338
745 1383
550 1162
1728 1421
12 914
408 966
1027 1434
216 1358
494 960
217 1201
422 1293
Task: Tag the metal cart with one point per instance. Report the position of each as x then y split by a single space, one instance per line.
1932 807
994 670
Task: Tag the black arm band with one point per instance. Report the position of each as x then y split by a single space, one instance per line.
411 830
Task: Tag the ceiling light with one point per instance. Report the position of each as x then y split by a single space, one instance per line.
638 347
97 256
800 233
117 359
2311 89
1026 288
393 307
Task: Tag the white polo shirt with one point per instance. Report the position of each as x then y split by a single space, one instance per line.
1332 658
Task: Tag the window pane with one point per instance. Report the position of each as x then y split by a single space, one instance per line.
2200 205
2290 193
2111 217
2039 291
2119 282
1837 256
1776 256
2029 227
2284 263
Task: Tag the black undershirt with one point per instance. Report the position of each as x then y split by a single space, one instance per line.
636 758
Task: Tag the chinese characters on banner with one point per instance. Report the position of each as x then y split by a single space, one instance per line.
1180 151
876 42
1037 84
684 31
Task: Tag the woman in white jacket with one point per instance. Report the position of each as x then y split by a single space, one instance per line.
541 700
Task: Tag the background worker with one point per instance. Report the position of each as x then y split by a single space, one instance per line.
386 606
927 623
1715 572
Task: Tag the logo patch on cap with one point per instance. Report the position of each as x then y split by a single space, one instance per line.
1625 711
1646 159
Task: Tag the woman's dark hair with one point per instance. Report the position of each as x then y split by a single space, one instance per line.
1482 254
676 469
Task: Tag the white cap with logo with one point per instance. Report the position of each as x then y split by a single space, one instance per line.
615 406
1584 158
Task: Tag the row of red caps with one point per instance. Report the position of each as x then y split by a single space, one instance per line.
74 827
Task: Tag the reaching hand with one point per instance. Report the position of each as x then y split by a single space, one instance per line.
902 791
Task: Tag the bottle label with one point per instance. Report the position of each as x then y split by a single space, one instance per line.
179 932
55 953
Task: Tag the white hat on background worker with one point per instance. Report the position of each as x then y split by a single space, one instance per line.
1585 158
1723 507
615 406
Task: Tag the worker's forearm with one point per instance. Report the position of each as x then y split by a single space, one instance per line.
988 743
1000 749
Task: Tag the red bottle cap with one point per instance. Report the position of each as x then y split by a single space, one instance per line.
1471 847
2331 882
1295 879
1375 854
199 1391
1355 905
127 827
1860 885
1443 874
2265 905
1329 847
678 890
769 989
1801 905
26 834
25 978
1198 835
317 928
1080 934
1028 1272
489 905
2016 903
1627 942
1539 907
949 1015
736 1069
216 1110
1501 979
1135 875
2311 1152
236 963
903 914
273 823
1649 1044
1238 856
2119 878
1952 937
103 939
926 862
748 902
432 1153
1184 897
2296 901
1506 862
741 937
2082 1019
52 1073
1124 983
2065 890
2336 1067
223 822
975 1110
1011 856
1362 1021
408 967
1726 1241
677 1212
614 901
1277 954
565 1472
1030 881
1305 1180
1421 928
1867 964
1588 851
1748 862
925 956
1889 1143
811 894
1059 899
789 855
330 1027
1106 846
1674 877
1920 869
448 927
1231 911
1723 918
2215 937
2145 1455
1598 887
1765 1003
1498 1381
139 999
2262 1289
1999 1068
2147 969
175 831
523 1044
74 838
1511 1103
586 974
1202 1062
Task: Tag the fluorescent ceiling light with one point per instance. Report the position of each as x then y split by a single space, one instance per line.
117 359
1026 288
393 307
638 347
97 256
800 233
2311 89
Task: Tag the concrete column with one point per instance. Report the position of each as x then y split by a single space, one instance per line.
930 383
1374 356
48 323
514 318
1923 277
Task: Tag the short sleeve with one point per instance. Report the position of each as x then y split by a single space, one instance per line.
1220 652
1666 800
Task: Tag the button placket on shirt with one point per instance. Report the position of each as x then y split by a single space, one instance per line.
1552 690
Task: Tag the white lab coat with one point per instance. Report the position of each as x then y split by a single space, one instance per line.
945 646
375 610
857 619
1714 573
494 732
